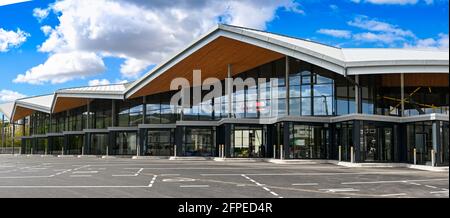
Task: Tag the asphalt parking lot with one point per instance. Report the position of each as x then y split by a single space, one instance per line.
48 177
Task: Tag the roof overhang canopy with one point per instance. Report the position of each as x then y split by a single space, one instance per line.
213 60
247 48
67 103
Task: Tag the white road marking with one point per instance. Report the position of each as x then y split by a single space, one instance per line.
340 190
169 174
84 172
393 181
389 195
83 186
438 192
80 175
153 181
194 186
260 185
125 175
430 186
178 180
305 184
139 171
312 174
413 183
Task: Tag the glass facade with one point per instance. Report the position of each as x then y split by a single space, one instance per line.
98 143
75 144
198 141
247 142
307 142
160 142
285 93
125 143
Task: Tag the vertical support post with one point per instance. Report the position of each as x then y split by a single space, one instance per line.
340 153
352 155
281 152
223 150
13 134
357 95
433 158
62 150
274 151
82 150
113 112
88 111
436 139
402 94
107 150
3 131
175 150
287 85
415 156
229 90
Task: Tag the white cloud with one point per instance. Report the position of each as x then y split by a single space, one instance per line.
10 2
40 14
62 67
441 42
9 95
388 2
398 2
143 33
97 82
46 29
131 67
9 39
365 22
386 38
336 33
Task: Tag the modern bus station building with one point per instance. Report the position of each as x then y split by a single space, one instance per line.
311 101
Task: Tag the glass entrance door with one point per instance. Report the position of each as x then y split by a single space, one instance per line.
247 143
160 143
126 143
378 144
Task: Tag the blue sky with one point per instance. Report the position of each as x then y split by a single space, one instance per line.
47 45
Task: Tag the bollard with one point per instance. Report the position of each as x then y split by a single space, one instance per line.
31 151
351 155
107 152
174 150
433 158
82 150
340 153
45 152
415 156
281 152
62 150
137 150
223 150
274 151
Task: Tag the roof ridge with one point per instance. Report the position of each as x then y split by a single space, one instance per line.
114 84
280 34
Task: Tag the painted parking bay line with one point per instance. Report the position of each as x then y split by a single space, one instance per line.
305 184
84 172
334 190
152 181
394 181
194 186
80 175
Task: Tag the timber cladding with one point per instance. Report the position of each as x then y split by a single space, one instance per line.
212 60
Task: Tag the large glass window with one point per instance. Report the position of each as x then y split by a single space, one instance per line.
98 144
125 143
307 142
160 142
130 112
74 144
247 142
198 141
